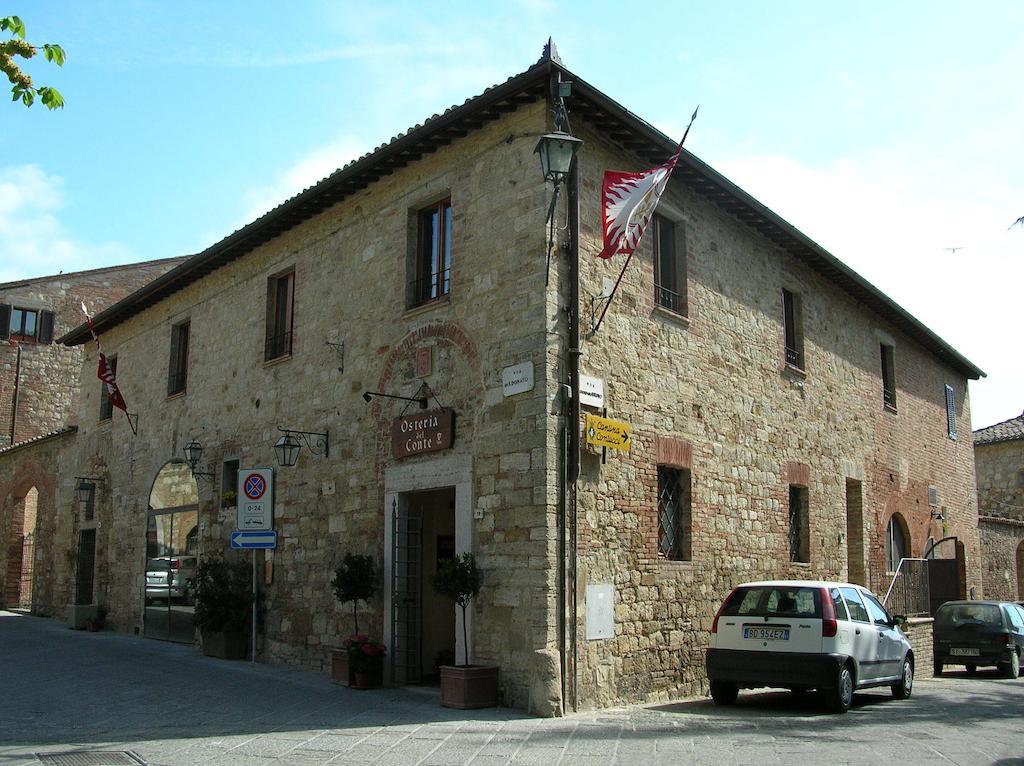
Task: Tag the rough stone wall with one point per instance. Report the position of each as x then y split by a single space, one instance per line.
350 287
1000 471
716 384
919 632
36 466
48 382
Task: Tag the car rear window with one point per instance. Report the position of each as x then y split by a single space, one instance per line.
960 614
760 600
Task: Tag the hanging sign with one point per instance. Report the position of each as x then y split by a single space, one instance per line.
255 499
422 432
605 432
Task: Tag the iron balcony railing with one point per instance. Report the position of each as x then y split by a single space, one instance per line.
794 357
889 397
430 287
277 346
670 300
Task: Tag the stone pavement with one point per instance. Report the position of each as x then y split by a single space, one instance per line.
63 690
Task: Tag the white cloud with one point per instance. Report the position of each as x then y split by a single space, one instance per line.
32 238
891 223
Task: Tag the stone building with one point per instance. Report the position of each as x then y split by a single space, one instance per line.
999 464
786 418
39 387
38 378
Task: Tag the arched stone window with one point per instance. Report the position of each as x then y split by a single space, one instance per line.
897 539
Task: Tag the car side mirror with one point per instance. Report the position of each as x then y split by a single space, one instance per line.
898 620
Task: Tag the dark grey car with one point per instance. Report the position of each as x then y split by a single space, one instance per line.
979 633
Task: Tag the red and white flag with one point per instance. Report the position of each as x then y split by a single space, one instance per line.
628 200
103 371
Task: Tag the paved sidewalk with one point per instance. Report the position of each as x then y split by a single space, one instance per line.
63 690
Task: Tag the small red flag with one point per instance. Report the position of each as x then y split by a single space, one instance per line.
103 371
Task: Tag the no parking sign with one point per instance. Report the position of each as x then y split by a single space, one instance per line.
255 499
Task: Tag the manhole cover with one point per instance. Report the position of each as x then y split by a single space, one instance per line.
91 758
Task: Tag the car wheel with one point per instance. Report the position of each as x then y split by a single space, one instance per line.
724 693
902 690
938 669
1011 669
971 669
840 698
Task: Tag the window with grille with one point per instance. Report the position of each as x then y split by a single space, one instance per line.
670 264
280 315
950 412
177 372
432 262
792 314
107 406
799 529
888 376
675 532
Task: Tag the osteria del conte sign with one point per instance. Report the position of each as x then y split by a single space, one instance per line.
422 432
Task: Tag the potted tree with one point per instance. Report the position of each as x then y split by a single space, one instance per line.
223 606
355 580
464 686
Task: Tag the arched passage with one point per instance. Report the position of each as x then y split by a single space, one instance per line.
171 554
21 550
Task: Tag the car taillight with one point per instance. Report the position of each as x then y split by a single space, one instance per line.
1003 638
725 603
829 625
175 565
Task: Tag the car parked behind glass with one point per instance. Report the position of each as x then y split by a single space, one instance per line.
802 635
979 633
171 577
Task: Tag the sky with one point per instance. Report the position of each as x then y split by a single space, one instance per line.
887 132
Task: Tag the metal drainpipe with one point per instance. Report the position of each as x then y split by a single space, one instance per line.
573 183
17 389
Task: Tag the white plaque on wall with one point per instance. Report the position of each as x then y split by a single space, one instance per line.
600 612
517 378
591 391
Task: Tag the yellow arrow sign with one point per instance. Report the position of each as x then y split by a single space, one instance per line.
604 432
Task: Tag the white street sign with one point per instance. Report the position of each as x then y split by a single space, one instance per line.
517 379
255 499
591 391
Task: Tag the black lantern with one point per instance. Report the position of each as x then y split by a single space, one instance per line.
556 151
288 446
193 453
85 489
287 449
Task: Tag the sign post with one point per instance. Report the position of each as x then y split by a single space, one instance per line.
254 523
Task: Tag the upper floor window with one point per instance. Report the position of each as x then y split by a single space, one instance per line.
280 313
670 264
793 319
177 374
432 265
107 406
888 376
675 531
950 412
25 325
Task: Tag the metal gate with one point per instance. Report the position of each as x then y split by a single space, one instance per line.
406 596
944 574
28 558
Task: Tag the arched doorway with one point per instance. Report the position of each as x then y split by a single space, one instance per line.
171 554
897 542
21 551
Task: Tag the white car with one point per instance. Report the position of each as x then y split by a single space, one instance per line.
802 635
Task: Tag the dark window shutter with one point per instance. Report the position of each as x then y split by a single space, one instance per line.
950 412
172 367
45 327
5 321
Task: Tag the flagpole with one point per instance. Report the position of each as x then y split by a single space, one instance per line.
622 273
